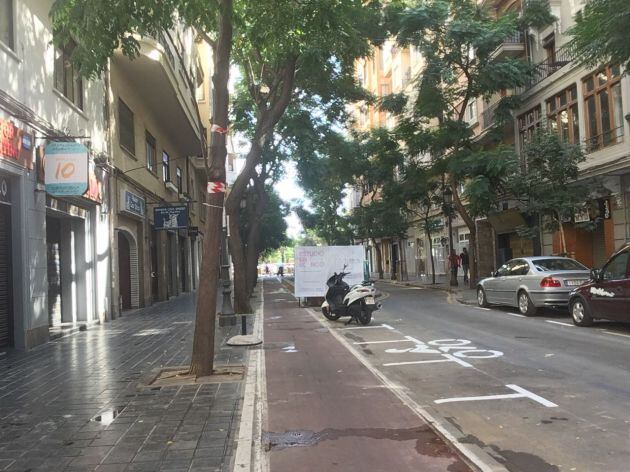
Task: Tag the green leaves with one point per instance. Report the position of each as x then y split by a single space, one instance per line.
600 34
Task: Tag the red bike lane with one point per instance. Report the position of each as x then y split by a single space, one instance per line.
327 411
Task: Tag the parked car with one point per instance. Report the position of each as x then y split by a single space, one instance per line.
607 293
529 283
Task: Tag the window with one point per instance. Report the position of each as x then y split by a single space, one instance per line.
549 43
126 128
545 265
178 180
617 268
385 90
528 123
67 79
150 147
464 237
6 22
562 115
471 111
166 170
518 267
603 111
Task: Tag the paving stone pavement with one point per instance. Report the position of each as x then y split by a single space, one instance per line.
50 396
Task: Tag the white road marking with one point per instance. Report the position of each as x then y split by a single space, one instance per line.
515 314
561 323
480 458
368 327
417 362
383 342
617 334
521 393
447 358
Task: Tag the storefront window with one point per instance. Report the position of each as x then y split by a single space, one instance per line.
562 115
67 79
604 115
6 22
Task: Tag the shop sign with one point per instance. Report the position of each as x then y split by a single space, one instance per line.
170 217
582 215
16 145
5 190
133 203
66 168
603 205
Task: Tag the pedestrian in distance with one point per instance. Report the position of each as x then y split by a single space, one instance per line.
453 262
266 269
465 261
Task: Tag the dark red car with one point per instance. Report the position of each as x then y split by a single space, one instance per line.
607 294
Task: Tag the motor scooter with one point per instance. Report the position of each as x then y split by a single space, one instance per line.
358 301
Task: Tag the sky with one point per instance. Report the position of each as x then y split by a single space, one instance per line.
289 190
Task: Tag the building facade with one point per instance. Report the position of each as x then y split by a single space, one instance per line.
157 140
54 250
589 107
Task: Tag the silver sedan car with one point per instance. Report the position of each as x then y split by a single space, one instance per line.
529 283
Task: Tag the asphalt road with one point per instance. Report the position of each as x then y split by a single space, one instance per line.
536 394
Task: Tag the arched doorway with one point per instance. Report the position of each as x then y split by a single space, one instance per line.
124 271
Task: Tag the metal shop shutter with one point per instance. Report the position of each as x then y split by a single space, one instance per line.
5 276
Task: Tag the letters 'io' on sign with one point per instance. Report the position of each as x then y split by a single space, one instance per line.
315 264
66 169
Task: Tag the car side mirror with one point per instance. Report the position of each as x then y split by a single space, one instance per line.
596 275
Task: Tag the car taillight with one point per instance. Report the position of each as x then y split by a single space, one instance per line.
550 282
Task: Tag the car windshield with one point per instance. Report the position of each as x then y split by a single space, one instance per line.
546 265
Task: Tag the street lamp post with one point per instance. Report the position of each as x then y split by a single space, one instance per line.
226 317
448 202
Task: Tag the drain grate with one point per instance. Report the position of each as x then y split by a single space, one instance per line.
290 439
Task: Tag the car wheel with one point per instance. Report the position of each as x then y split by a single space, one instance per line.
482 301
525 305
580 312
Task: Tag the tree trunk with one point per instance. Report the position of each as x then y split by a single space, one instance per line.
430 251
470 223
379 259
563 241
202 360
239 260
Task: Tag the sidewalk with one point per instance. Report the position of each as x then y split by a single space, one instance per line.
327 411
80 402
463 293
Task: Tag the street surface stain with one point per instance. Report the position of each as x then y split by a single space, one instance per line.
427 443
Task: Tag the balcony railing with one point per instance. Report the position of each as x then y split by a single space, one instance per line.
516 38
487 115
603 140
546 68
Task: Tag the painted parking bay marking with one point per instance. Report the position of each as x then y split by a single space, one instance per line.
462 348
520 393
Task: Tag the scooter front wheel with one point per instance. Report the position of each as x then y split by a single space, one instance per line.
329 315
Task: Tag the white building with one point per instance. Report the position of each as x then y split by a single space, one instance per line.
54 252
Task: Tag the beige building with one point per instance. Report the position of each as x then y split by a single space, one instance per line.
587 106
157 185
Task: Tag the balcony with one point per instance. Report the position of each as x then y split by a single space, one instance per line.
158 78
513 46
488 114
547 68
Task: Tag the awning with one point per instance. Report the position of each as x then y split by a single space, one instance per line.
506 221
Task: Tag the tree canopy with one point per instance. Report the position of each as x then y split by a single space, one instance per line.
600 33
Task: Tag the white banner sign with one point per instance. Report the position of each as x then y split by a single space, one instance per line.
315 264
